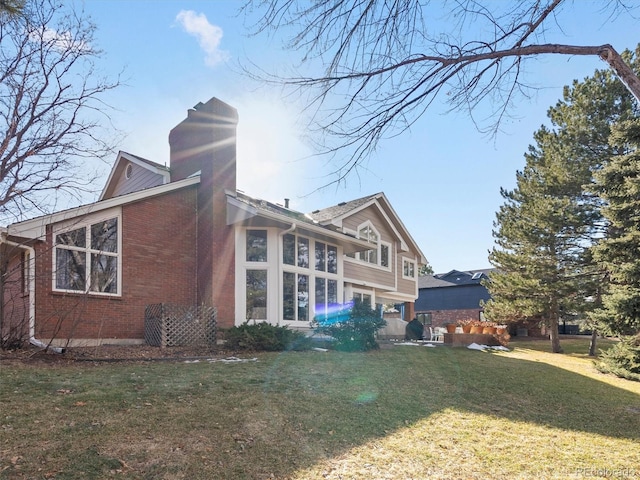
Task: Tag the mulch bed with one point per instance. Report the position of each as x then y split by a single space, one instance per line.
109 353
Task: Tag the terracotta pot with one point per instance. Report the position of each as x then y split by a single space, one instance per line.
476 329
466 329
451 328
500 331
489 330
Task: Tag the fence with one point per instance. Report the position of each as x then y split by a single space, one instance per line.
169 325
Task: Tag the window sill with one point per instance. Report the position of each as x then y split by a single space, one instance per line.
97 296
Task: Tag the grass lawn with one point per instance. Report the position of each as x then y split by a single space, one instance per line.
406 412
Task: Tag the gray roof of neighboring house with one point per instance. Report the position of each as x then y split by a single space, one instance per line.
454 278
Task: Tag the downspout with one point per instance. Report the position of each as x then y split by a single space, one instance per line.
280 254
32 295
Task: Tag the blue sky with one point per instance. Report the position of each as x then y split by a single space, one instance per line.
443 177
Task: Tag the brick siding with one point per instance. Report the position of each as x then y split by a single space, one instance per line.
158 266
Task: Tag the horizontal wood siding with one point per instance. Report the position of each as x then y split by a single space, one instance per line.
362 271
141 179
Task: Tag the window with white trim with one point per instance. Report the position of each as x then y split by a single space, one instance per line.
309 277
380 255
256 294
87 258
408 268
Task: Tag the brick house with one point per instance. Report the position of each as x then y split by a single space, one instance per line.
448 297
185 235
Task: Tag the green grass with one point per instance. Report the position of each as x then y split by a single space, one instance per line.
404 412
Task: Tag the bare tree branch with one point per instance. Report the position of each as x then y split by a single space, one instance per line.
384 63
51 112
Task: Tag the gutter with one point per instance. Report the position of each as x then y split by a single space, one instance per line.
32 294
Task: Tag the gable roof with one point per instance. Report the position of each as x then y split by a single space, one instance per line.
122 160
454 278
335 215
36 227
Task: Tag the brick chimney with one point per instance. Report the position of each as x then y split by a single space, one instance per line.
205 142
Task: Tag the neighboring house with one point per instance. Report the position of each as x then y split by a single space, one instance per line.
185 235
449 297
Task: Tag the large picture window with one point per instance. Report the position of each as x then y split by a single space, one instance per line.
307 283
87 258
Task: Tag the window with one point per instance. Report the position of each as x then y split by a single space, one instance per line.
365 298
370 235
380 255
408 269
384 255
289 249
87 258
326 258
424 318
256 294
306 286
295 297
326 294
303 252
26 274
256 245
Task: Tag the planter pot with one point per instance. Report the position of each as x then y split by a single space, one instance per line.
489 330
476 330
451 328
500 331
466 329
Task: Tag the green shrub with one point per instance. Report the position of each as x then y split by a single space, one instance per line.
623 359
265 336
358 332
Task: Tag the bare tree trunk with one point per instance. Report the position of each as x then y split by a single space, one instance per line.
592 344
554 319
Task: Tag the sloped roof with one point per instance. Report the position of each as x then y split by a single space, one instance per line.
342 208
335 214
454 278
242 208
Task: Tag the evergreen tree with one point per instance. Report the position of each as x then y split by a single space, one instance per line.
548 222
618 184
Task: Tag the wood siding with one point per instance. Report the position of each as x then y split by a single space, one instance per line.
141 179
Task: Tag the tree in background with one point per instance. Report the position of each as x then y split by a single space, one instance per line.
425 270
11 7
53 121
52 116
549 221
386 62
618 183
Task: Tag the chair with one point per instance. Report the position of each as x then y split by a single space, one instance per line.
436 334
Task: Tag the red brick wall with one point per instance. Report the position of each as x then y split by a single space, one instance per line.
15 307
206 142
158 266
440 318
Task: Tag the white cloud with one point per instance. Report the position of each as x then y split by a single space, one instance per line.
61 41
209 36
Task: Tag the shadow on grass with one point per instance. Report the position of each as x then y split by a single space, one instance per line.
285 412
